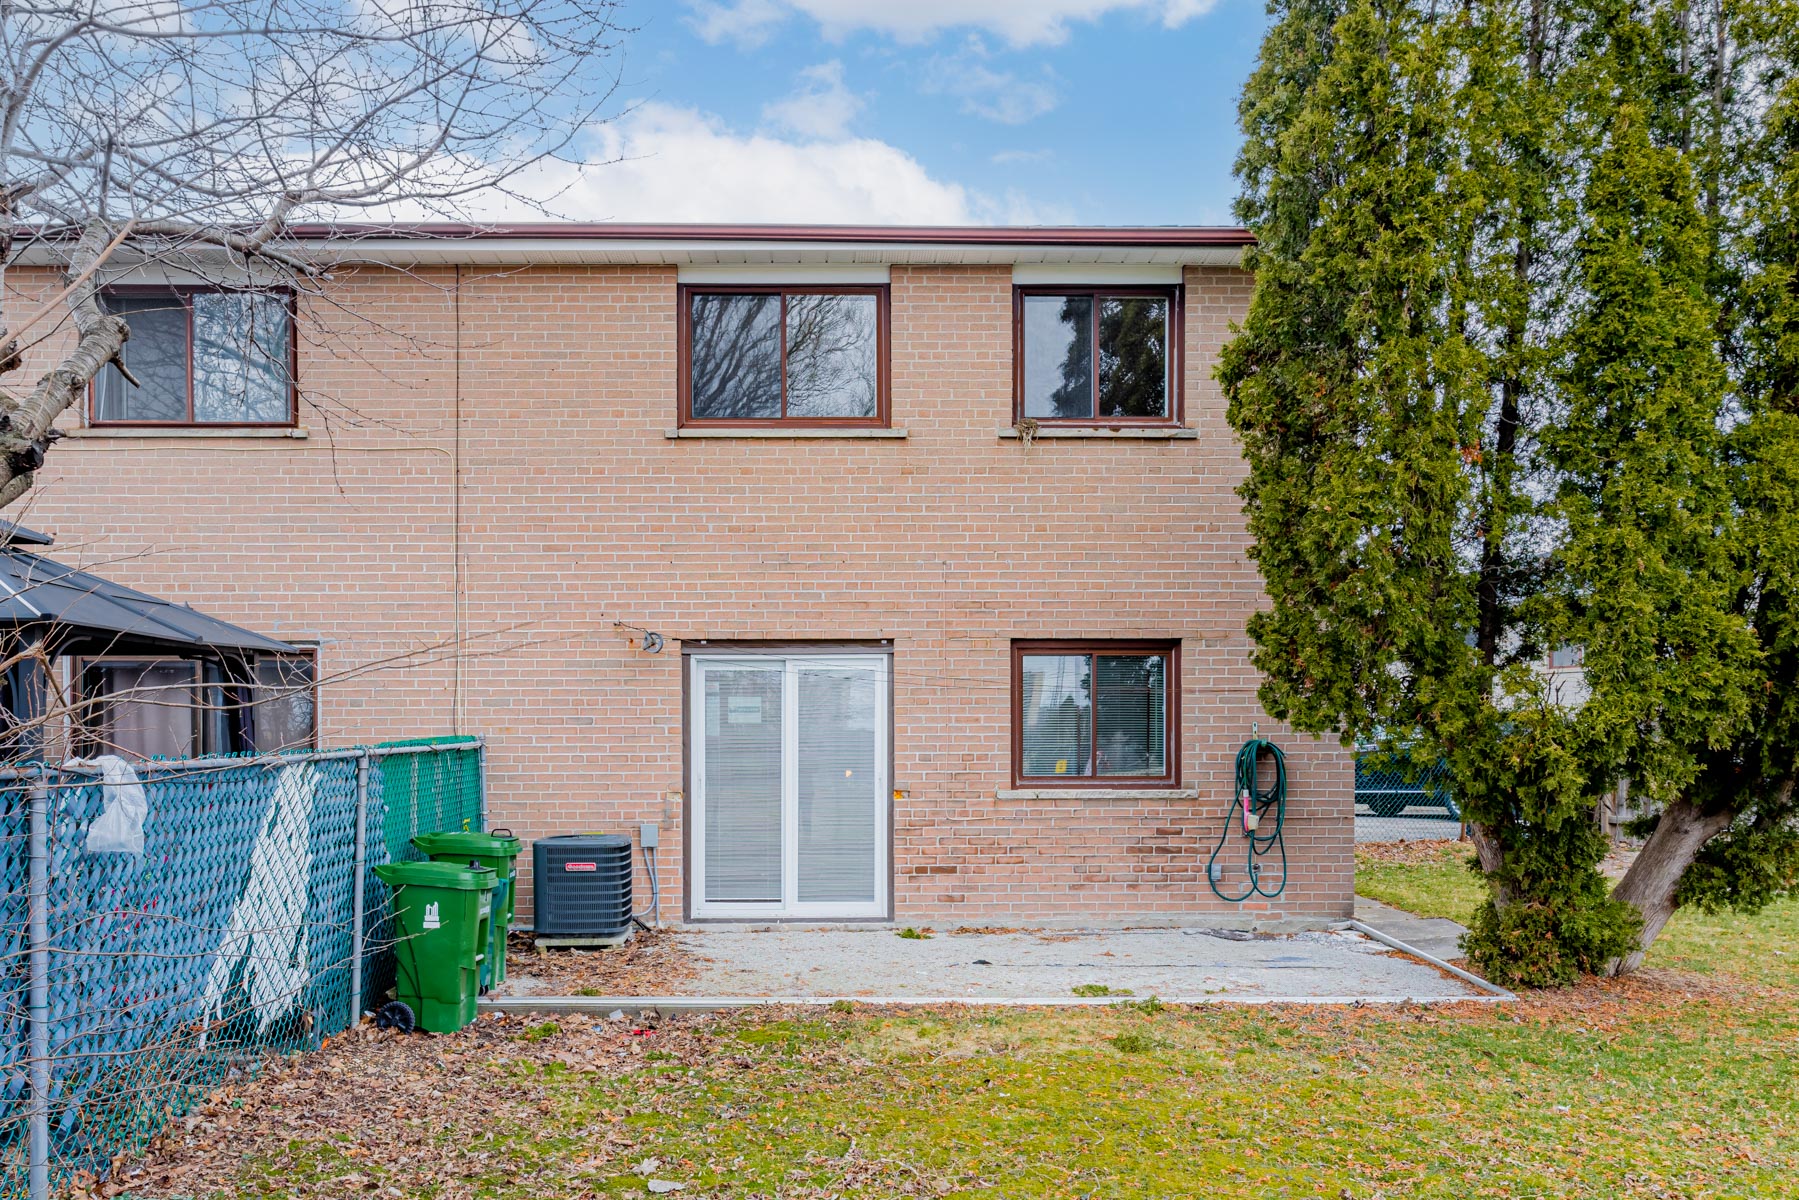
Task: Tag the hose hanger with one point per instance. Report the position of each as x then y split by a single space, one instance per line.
1257 814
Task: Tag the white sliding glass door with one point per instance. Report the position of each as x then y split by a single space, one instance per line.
789 781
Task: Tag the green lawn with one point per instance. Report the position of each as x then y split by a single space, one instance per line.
1763 948
1614 1095
1671 1084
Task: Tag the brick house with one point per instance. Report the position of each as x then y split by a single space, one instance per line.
895 573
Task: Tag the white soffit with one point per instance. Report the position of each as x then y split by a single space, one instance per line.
125 273
1096 273
845 273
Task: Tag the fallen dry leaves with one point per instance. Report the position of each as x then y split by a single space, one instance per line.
653 963
1412 853
424 1108
486 1111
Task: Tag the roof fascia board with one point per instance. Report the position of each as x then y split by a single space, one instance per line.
1013 235
410 252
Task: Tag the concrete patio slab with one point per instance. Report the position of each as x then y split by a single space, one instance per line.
1436 936
811 965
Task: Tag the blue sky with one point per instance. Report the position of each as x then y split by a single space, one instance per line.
920 111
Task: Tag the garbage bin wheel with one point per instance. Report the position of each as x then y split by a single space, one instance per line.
396 1015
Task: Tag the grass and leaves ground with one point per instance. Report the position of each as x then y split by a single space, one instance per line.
1433 879
1675 1083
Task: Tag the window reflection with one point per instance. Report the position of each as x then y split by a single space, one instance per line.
1058 362
736 356
832 357
1092 356
1133 357
200 357
784 355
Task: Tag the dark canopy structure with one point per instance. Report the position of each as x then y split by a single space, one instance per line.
57 610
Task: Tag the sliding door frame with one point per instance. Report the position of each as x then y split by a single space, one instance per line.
855 654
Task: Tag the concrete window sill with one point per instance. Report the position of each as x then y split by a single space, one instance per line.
1096 793
140 432
799 431
1161 433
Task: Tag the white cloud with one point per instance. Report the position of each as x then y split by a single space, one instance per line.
1007 158
666 163
822 107
997 95
1020 22
746 22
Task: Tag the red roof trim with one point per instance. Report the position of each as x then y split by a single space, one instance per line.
988 235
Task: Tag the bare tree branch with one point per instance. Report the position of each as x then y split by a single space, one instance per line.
139 133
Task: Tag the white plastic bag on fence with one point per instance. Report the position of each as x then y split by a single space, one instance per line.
119 829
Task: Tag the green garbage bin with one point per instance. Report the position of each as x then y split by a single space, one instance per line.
443 914
498 851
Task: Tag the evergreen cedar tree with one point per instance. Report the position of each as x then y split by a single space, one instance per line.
1521 371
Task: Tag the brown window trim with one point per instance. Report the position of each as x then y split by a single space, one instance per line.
186 292
1175 294
1170 778
883 400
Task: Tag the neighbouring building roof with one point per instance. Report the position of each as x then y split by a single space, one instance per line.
17 535
77 606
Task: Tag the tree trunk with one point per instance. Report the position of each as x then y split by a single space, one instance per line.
1491 856
26 426
1649 884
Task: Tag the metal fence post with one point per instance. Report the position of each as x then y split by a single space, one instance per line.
481 783
38 998
357 900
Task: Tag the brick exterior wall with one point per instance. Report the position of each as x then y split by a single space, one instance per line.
575 511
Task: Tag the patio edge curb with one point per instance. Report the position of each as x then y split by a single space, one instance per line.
636 1005
1497 992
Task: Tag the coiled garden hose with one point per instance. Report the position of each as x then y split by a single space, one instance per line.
1259 813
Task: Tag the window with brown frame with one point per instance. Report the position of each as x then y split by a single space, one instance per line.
1095 713
200 356
1097 355
784 355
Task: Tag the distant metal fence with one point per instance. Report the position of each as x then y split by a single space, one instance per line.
1399 798
132 985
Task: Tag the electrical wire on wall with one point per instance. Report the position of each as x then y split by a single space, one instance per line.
456 580
1259 813
654 912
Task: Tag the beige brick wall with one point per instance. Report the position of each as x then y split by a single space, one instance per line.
575 511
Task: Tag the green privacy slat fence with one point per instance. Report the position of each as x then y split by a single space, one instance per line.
446 788
230 938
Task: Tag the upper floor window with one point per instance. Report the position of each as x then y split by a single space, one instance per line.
796 355
200 357
1098 355
1094 710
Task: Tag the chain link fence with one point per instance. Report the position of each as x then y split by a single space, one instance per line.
132 985
1399 798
